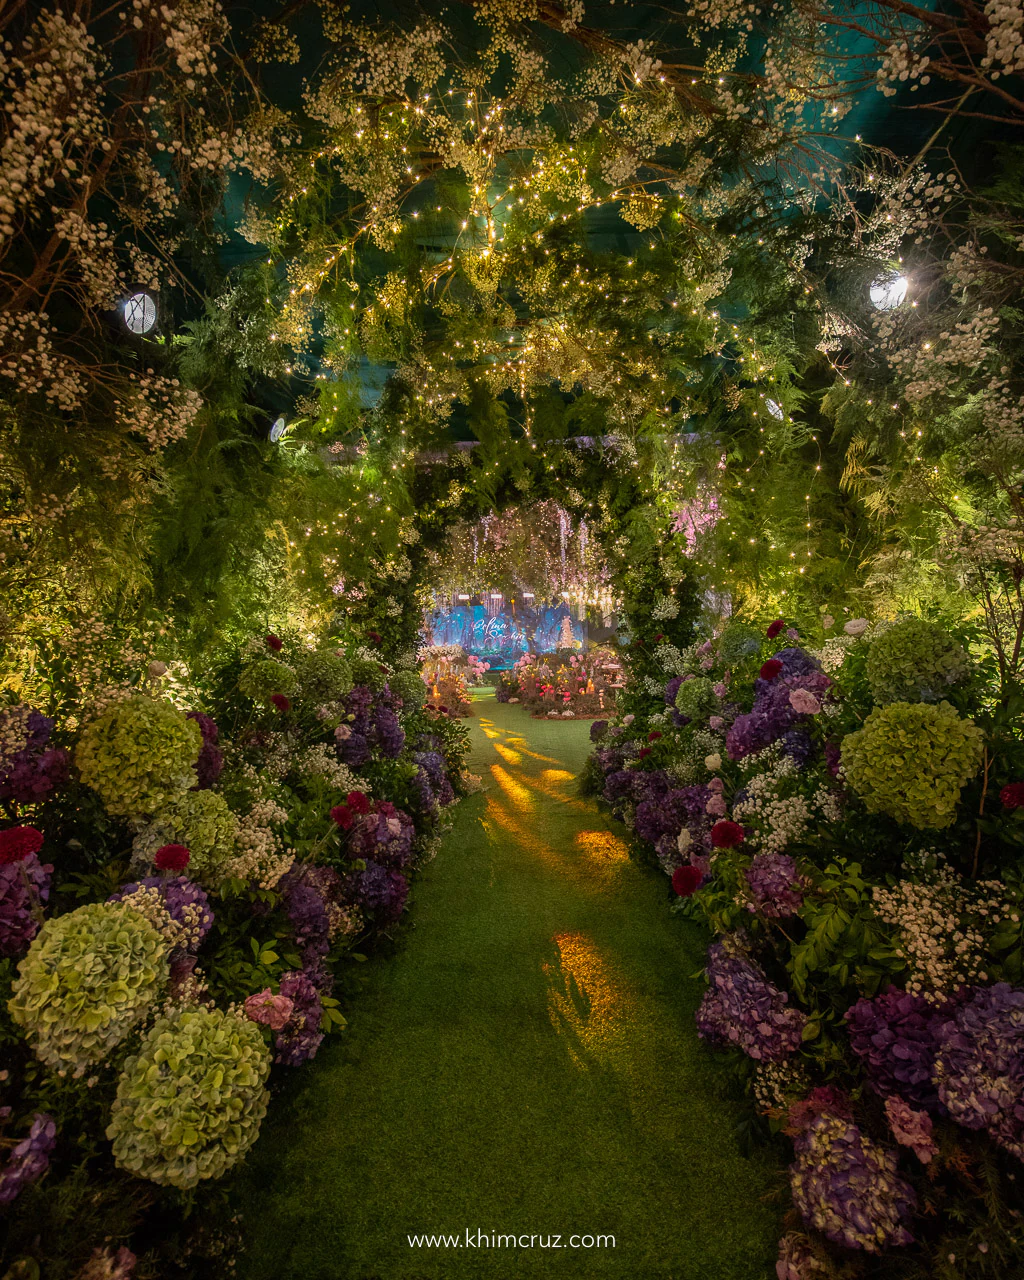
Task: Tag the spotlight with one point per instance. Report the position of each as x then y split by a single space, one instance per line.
139 312
774 408
464 598
278 429
887 292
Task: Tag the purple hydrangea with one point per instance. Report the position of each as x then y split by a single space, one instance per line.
848 1188
660 820
30 1158
29 769
432 780
895 1035
384 835
308 892
979 1066
379 890
598 730
24 888
742 1008
671 689
301 1037
179 894
211 758
775 885
388 735
773 716
372 724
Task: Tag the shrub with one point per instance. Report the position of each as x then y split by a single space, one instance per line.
409 686
203 823
138 755
190 1103
88 978
915 661
910 761
369 673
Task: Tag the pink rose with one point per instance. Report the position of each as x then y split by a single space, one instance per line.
715 722
804 701
270 1010
716 784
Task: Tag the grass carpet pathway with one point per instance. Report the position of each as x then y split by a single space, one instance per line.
526 1064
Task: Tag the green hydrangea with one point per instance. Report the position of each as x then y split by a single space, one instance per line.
410 688
263 677
200 820
910 761
364 671
915 661
88 979
138 754
739 640
190 1103
323 676
696 698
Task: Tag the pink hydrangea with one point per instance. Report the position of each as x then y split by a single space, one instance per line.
804 702
911 1128
271 1010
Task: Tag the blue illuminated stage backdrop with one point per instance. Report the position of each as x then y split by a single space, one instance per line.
500 630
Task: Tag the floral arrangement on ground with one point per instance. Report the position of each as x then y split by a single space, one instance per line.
191 872
846 813
565 684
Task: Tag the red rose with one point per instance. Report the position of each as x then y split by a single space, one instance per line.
686 880
443 710
654 735
375 636
726 834
275 643
770 669
280 701
1012 795
343 816
774 628
658 637
643 753
357 802
17 843
172 857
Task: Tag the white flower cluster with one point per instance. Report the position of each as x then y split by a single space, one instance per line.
777 1084
28 358
832 653
261 855
665 609
940 928
159 409
777 819
1004 40
900 64
185 933
321 761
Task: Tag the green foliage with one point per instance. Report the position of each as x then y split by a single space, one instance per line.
910 761
138 754
408 686
322 676
369 673
190 1102
200 820
915 660
88 979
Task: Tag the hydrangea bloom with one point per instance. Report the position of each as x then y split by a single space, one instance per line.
29 1159
796 1259
741 1007
979 1066
911 1129
659 820
775 885
915 660
311 900
910 761
895 1035
29 769
848 1188
190 1103
138 755
379 890
301 1037
183 900
24 888
88 979
409 688
264 677
322 676
773 714
269 1010
384 834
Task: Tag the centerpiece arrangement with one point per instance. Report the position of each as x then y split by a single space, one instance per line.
567 683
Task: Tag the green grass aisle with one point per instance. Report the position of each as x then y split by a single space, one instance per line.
526 1064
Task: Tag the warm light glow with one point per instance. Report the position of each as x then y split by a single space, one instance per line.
888 292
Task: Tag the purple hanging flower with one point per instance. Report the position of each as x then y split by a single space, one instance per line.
24 888
979 1066
30 1158
742 1008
